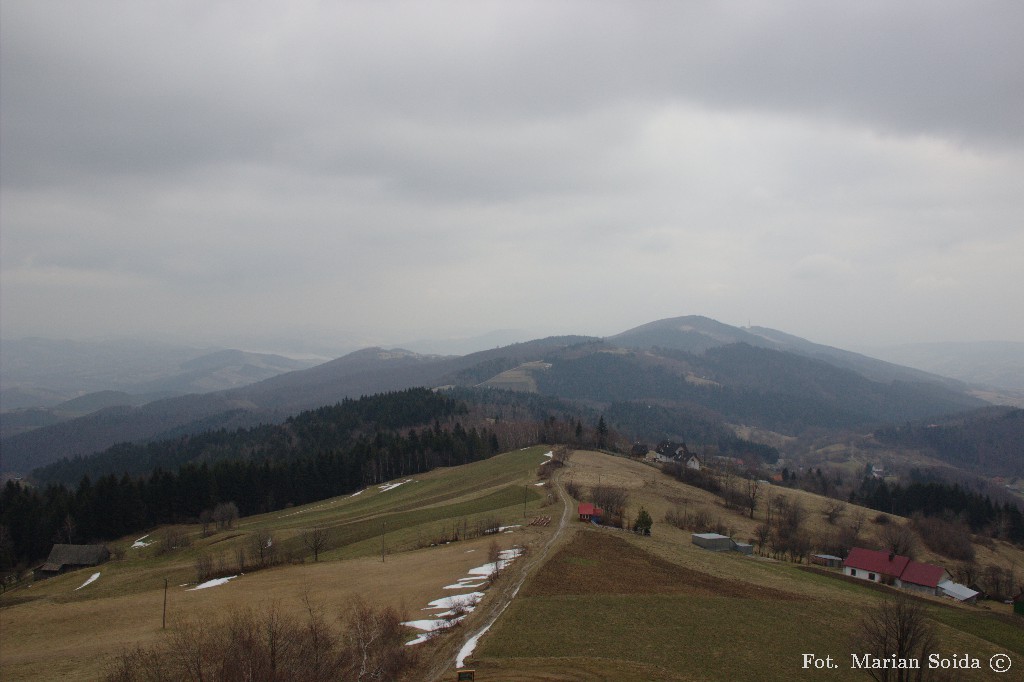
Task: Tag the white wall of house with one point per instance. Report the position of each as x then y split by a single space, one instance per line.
862 574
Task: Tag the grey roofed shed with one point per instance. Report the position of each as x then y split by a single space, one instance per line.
65 558
712 541
958 591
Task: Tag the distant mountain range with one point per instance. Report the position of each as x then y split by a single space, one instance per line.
994 364
656 378
45 382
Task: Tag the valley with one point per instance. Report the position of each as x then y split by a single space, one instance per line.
584 603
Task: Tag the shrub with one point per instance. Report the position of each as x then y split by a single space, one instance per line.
268 645
948 538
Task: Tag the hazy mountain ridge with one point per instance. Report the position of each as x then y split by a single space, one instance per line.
997 364
38 372
692 363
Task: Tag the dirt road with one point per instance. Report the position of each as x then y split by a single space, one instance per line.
445 662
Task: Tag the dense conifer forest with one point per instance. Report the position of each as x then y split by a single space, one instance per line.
317 454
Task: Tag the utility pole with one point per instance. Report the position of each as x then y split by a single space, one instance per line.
164 624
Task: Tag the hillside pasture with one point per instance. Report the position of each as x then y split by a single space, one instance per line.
624 607
51 630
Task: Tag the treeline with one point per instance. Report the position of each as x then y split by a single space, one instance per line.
988 439
943 500
319 454
309 433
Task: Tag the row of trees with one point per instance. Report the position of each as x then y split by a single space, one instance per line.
939 499
367 644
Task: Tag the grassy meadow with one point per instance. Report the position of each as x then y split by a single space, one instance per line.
603 604
614 606
51 630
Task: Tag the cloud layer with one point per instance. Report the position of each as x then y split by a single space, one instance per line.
377 172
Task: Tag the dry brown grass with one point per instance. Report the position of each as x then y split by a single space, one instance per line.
47 639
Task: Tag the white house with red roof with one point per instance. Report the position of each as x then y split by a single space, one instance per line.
894 569
923 577
874 565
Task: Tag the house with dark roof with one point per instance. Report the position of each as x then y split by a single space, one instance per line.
922 577
64 558
900 571
589 512
875 565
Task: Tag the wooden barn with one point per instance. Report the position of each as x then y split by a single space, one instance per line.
64 558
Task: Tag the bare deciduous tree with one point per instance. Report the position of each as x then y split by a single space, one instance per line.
898 539
899 627
833 509
225 514
751 494
270 645
261 548
315 540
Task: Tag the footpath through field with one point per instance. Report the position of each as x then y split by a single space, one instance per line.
496 607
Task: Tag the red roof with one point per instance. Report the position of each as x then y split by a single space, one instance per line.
586 509
876 561
927 575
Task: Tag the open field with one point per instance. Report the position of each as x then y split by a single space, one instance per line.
614 606
51 630
603 604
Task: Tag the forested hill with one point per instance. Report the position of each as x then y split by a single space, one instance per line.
324 430
315 455
989 440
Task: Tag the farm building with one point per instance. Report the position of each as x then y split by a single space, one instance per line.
894 569
588 512
712 541
922 577
959 592
64 558
827 560
874 565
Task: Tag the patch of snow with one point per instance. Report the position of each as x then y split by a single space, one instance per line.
391 486
425 637
541 483
456 601
468 648
358 492
91 580
504 559
465 585
502 529
432 624
212 583
139 544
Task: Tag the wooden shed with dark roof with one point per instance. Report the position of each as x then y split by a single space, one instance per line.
64 558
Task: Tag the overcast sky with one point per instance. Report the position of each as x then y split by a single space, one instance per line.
258 173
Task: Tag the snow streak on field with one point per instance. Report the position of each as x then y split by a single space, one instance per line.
91 580
212 583
459 605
